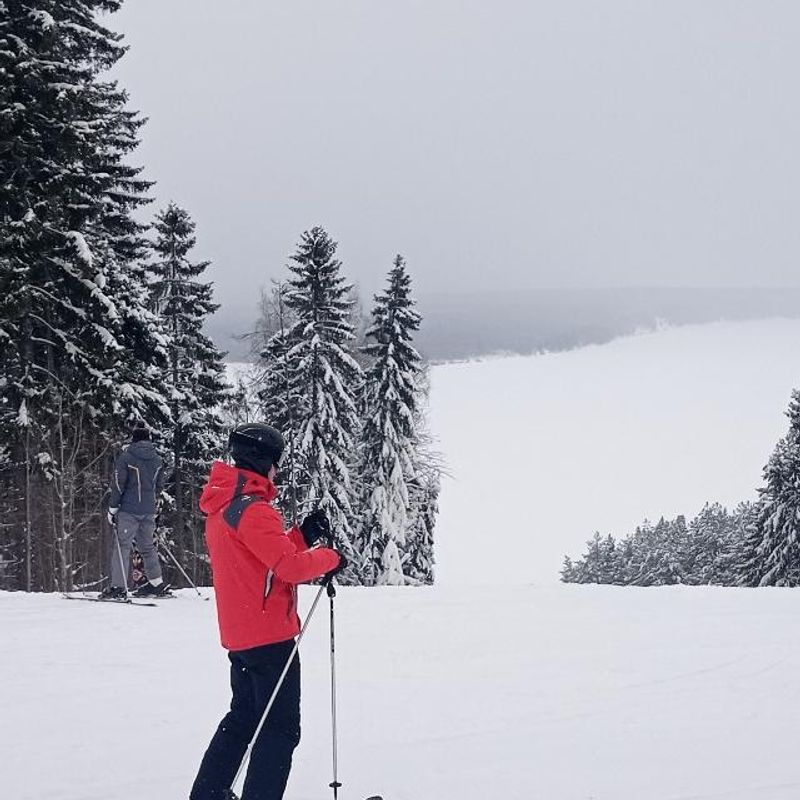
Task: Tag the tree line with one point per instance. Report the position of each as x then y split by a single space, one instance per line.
757 544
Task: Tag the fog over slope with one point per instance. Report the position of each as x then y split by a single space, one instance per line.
463 324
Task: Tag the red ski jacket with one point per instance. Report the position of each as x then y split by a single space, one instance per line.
256 565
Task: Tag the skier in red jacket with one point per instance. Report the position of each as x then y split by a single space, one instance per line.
257 566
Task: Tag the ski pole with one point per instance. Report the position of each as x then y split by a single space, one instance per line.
275 691
335 785
177 563
119 553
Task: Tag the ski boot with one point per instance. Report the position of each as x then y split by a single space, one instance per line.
148 590
115 593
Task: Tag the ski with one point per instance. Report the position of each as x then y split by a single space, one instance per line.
127 602
233 796
149 597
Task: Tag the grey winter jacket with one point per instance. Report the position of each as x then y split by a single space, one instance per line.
138 479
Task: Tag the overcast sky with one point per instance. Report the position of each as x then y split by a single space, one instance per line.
493 143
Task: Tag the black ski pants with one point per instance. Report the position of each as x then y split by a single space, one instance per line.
254 674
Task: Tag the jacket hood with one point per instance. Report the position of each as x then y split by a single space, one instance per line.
143 450
226 482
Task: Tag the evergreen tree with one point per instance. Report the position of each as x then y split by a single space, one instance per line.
663 546
626 557
569 571
638 546
195 379
325 378
777 558
72 295
709 543
424 488
600 564
282 400
271 346
735 552
389 463
747 561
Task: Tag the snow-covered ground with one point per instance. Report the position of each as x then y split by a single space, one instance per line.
495 683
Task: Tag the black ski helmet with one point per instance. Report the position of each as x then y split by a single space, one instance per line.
256 446
140 432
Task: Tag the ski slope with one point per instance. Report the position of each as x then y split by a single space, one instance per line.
497 682
544 451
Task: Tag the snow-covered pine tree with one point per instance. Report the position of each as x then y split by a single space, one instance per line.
326 378
423 490
664 545
277 384
569 571
626 561
707 545
734 552
600 563
389 462
636 552
80 352
742 564
777 558
194 379
282 400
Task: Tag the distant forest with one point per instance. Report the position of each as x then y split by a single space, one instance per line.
463 324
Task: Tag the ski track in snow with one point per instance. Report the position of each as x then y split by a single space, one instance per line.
558 693
776 792
487 685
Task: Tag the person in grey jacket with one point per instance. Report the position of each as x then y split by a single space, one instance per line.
135 488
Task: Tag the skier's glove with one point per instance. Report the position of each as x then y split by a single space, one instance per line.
112 516
315 527
329 576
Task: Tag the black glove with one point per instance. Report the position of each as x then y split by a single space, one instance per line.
315 527
329 576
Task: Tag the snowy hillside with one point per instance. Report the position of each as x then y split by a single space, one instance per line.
545 450
493 683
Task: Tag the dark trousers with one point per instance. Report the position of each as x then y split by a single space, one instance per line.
254 674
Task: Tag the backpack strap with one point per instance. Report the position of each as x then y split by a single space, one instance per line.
240 503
